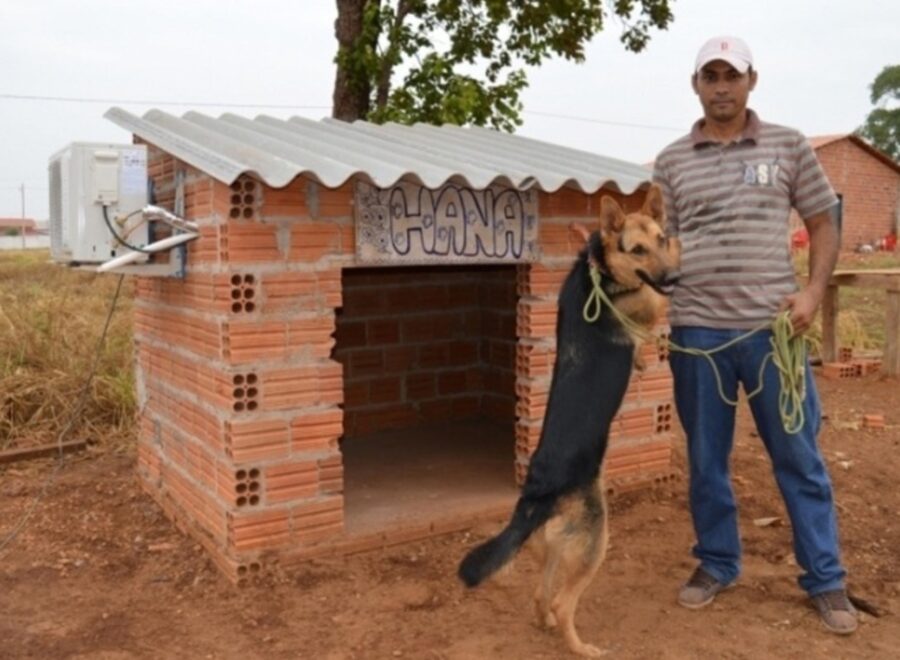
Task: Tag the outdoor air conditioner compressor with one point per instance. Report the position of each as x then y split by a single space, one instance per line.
86 181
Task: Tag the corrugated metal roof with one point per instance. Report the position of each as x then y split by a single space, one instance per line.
332 151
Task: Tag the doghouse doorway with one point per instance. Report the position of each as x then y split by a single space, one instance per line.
429 397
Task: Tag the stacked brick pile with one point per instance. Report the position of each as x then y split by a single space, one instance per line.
849 366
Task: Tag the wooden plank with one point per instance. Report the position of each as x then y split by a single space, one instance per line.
40 451
891 363
876 271
871 279
829 324
887 279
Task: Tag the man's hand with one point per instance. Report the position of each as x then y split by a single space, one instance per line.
803 306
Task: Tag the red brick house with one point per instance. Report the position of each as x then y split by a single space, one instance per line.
868 183
16 226
360 350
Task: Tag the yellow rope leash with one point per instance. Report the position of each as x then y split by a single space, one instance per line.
788 354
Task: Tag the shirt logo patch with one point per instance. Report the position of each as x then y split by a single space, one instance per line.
761 174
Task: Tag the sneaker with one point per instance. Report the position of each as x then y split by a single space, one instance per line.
836 611
700 590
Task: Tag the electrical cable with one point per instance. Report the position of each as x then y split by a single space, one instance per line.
116 235
152 212
143 221
78 99
285 106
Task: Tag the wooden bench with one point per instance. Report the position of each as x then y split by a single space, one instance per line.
889 280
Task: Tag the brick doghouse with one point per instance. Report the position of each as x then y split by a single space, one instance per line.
360 348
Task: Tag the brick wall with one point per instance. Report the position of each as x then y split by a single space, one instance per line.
239 395
426 344
870 189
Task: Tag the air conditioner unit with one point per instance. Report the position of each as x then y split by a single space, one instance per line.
85 178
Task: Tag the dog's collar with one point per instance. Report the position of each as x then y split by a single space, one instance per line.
614 288
610 285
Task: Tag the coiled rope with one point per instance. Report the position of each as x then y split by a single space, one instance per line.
788 354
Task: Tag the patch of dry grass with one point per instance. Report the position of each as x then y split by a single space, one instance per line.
51 318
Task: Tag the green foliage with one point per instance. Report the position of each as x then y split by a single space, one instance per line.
463 61
435 94
886 85
882 127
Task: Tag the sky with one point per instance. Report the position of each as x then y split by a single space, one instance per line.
816 60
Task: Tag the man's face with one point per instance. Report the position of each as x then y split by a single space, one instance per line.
723 91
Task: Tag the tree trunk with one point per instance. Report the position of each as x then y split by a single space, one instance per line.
350 100
383 90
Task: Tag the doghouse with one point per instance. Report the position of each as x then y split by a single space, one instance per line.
359 350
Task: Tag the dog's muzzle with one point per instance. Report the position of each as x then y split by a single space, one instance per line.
665 285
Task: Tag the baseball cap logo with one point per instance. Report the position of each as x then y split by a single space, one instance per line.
724 45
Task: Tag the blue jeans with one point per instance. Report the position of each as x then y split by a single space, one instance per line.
800 472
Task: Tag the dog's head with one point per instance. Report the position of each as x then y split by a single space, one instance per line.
634 246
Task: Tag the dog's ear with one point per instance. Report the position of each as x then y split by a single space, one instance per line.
580 230
612 217
654 205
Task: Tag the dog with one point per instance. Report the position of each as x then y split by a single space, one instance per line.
562 506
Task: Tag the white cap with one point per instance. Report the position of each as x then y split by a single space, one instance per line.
728 49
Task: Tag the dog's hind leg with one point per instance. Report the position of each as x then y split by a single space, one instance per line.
547 548
584 549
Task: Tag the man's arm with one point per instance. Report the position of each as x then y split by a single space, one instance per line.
824 246
661 178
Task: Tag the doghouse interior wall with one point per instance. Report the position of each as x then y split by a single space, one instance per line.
426 344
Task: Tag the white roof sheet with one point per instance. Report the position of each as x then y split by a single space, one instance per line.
332 151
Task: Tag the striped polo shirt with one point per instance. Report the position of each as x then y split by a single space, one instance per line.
730 205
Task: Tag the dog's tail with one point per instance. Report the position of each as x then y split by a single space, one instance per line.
530 513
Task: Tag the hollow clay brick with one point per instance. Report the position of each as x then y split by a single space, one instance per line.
316 430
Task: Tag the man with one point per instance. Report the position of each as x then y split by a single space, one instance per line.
729 187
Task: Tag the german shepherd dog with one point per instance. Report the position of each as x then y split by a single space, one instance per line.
563 498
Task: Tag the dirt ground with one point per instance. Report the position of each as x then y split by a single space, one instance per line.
99 573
